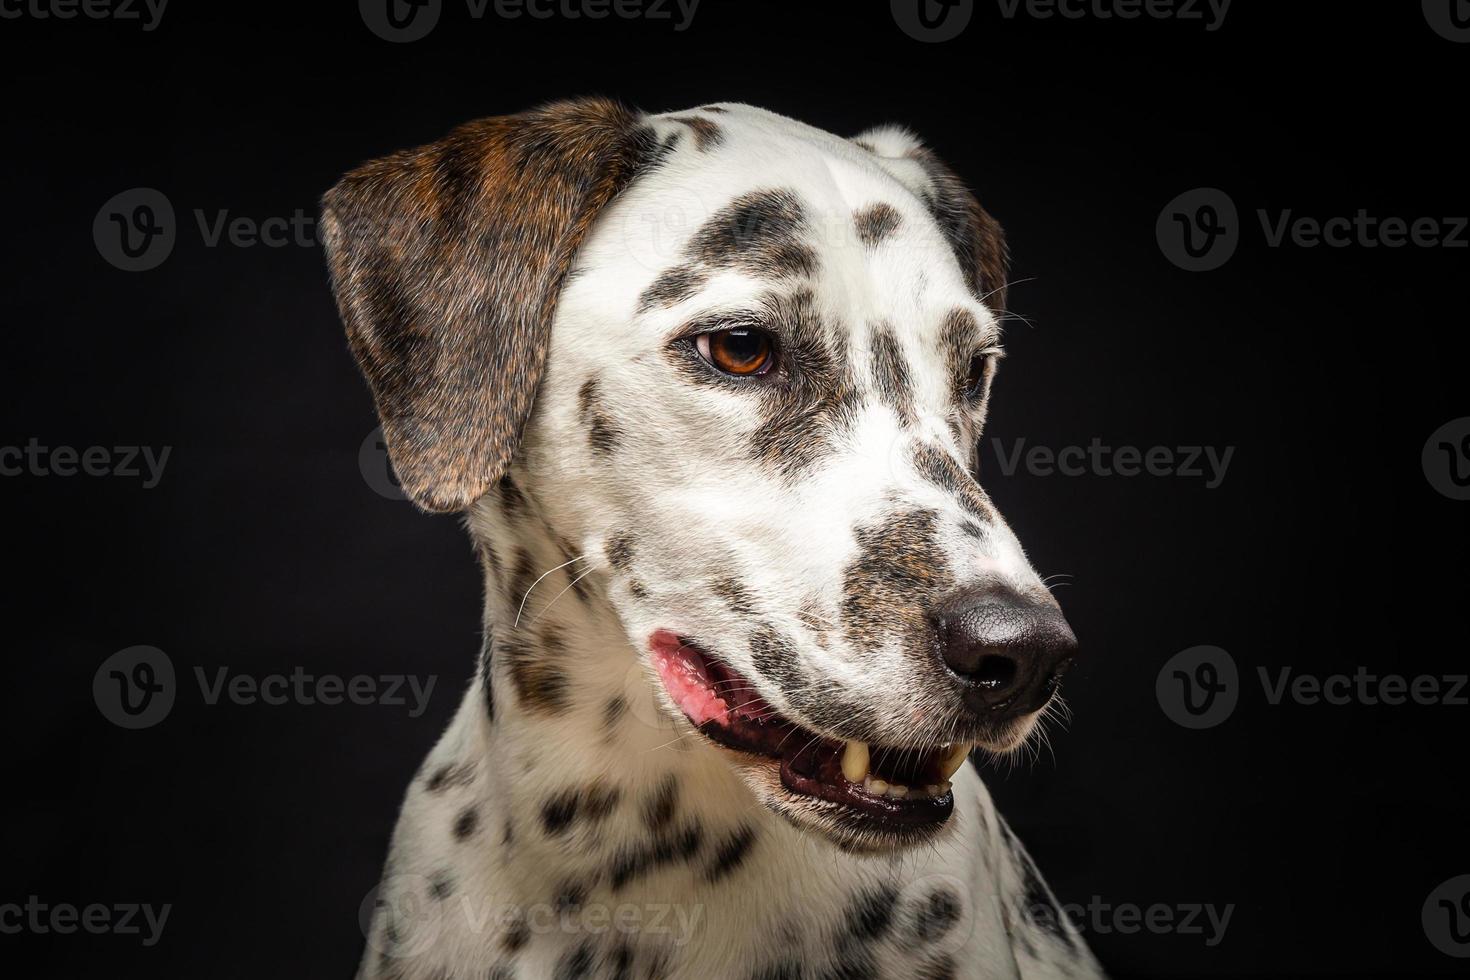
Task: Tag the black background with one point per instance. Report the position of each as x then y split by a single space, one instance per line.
264 548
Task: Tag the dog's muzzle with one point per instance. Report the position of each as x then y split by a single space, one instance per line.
1007 652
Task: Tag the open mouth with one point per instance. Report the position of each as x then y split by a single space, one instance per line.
886 788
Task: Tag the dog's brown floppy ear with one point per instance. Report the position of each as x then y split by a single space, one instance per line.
976 237
446 262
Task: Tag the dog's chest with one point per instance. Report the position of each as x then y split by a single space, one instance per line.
676 876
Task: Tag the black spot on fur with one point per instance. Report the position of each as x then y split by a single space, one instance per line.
487 687
876 222
441 885
660 805
512 501
593 803
575 963
451 775
891 373
934 915
667 848
730 854
938 968
672 287
613 712
871 914
517 935
558 812
708 134
603 434
760 233
466 823
571 896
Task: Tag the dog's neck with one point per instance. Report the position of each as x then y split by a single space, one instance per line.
586 779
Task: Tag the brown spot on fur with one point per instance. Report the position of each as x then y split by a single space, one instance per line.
941 469
539 682
876 222
896 577
735 595
613 712
977 239
708 134
603 434
760 233
891 373
620 552
672 287
454 356
818 396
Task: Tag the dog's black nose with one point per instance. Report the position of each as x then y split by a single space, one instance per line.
1008 651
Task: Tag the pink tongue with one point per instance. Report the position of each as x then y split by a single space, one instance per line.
683 674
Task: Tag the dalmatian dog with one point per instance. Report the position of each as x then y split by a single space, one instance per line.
706 388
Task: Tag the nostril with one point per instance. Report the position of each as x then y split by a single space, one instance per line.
995 673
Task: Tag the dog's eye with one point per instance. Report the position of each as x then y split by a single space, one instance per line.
975 380
742 352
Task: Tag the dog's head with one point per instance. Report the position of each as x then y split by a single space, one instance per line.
745 363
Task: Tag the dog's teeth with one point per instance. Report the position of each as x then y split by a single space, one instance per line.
936 790
897 792
877 787
950 764
855 761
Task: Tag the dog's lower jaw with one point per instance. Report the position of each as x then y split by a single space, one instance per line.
566 825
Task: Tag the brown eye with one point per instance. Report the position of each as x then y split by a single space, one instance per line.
975 380
743 352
